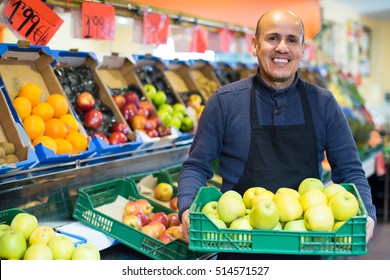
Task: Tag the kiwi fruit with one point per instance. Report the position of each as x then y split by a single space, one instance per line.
9 148
2 153
11 159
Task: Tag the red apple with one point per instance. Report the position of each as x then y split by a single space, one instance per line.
93 119
163 130
150 125
173 203
120 100
85 101
175 231
117 138
100 135
132 97
132 221
160 217
156 118
143 217
166 238
173 219
143 112
150 230
120 127
152 133
159 227
147 106
145 205
131 207
129 111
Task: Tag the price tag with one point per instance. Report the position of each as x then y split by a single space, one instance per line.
98 21
199 40
32 20
156 28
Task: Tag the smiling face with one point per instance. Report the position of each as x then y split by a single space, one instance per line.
278 45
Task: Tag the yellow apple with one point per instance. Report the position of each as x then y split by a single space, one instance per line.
86 251
24 223
230 207
311 198
319 218
163 191
241 223
288 190
267 194
38 251
296 225
249 194
288 206
61 246
344 205
278 226
332 189
310 183
41 234
264 214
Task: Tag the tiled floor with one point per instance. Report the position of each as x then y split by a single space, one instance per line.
379 246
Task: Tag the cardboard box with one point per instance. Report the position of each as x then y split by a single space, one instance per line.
74 58
21 63
118 72
205 78
12 132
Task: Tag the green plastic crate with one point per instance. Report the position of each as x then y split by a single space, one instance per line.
94 196
6 216
205 236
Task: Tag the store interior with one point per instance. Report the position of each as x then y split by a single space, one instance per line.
346 51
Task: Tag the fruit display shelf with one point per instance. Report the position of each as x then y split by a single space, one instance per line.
92 197
205 236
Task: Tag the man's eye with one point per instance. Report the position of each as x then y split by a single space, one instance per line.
272 38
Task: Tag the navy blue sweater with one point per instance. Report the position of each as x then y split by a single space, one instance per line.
224 133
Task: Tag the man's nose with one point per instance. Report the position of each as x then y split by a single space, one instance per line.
282 46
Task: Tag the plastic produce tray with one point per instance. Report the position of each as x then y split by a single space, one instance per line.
6 216
348 240
94 196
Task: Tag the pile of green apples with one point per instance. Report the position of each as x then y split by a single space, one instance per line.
25 239
313 207
171 115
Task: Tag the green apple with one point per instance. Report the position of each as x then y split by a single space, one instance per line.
165 107
24 223
310 183
249 194
179 107
232 193
230 207
210 209
176 122
41 234
61 246
4 228
319 218
338 225
278 226
86 251
332 189
288 190
13 245
186 124
38 251
217 221
165 117
311 198
159 98
295 225
178 115
344 205
264 214
150 90
267 194
241 223
289 207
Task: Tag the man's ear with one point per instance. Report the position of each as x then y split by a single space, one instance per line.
254 46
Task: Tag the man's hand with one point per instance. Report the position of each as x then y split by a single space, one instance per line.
369 228
185 223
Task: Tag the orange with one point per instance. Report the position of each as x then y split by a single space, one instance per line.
59 103
43 110
32 92
55 128
22 106
63 146
34 127
79 141
46 141
71 122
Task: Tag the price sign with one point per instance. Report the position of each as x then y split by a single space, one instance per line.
199 40
32 20
98 21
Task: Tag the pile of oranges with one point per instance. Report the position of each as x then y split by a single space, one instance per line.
49 122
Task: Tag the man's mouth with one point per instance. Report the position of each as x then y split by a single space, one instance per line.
280 60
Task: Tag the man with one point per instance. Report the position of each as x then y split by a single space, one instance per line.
271 130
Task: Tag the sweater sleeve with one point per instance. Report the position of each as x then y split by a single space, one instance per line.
205 148
343 156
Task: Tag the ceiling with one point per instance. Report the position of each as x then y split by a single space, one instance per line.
376 9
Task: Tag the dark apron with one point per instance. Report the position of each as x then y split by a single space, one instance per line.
279 156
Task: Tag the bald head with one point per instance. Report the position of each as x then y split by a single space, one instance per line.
277 15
